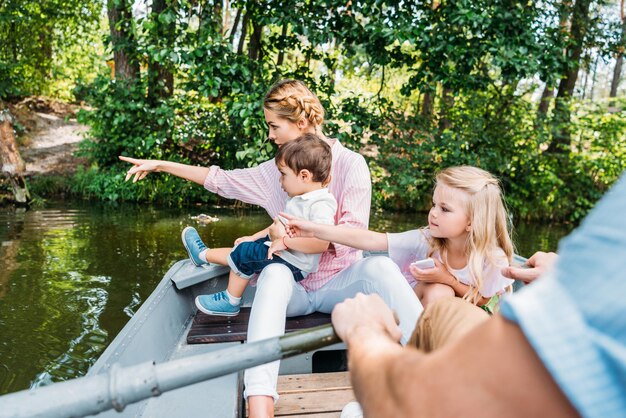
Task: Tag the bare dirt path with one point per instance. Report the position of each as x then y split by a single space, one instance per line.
52 137
52 146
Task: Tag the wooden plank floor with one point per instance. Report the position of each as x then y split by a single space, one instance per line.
316 395
219 329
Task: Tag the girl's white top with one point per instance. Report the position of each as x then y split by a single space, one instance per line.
407 247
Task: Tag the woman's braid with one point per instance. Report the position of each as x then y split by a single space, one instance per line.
292 100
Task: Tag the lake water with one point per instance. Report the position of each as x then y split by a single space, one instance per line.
72 274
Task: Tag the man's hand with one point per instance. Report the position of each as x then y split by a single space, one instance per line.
537 264
365 312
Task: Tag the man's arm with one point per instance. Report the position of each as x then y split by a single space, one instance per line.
490 372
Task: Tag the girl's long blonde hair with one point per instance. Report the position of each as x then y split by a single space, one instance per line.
292 100
489 222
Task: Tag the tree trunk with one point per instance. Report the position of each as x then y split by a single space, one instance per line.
160 82
244 32
233 31
548 90
281 53
160 77
218 18
14 46
580 25
43 65
593 77
544 104
122 40
447 101
585 84
617 72
254 47
427 105
13 166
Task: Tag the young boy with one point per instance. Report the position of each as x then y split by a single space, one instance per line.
305 166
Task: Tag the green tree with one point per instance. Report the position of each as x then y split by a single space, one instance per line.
414 86
33 37
580 27
122 40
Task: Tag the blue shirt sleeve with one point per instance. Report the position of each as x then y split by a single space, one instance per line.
575 318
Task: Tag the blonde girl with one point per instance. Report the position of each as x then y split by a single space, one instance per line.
467 237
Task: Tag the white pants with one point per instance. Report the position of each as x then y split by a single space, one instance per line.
278 296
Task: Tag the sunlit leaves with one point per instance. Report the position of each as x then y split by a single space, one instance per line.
43 42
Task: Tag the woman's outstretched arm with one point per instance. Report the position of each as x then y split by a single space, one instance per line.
362 239
141 168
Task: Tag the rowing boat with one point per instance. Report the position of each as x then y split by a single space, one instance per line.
155 367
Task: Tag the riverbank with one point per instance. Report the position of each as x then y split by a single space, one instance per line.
47 135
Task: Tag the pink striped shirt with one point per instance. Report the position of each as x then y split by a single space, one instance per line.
350 185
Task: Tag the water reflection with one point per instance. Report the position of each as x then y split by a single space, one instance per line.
71 275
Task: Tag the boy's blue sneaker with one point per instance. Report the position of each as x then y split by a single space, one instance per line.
216 304
194 245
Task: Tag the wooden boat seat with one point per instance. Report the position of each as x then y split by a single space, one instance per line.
317 395
218 329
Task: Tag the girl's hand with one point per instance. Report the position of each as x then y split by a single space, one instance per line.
438 274
243 239
298 227
277 246
140 168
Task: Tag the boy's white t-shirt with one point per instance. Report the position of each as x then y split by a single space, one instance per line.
318 206
407 247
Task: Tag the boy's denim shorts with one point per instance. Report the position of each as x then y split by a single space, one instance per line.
249 258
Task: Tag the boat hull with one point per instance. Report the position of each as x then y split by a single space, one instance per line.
157 332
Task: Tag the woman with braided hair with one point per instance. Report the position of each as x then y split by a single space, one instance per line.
291 110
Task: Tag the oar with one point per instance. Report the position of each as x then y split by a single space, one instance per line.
122 386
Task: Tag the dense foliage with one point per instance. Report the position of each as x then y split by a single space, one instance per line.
414 86
46 46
